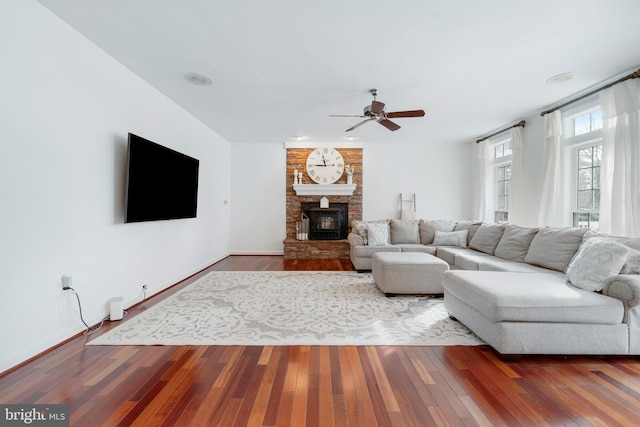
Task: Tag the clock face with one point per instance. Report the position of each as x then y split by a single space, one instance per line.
325 165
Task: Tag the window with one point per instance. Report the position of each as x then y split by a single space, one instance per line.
502 177
588 187
584 138
502 150
587 123
503 190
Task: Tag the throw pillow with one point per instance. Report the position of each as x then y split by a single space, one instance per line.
470 226
596 260
515 242
632 264
486 238
360 228
378 234
554 247
428 229
450 238
404 231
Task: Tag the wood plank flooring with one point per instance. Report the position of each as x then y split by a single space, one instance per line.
323 386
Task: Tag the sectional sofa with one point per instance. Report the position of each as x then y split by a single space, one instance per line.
525 290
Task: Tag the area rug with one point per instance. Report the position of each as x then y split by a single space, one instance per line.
290 308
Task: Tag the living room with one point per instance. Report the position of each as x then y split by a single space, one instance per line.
68 106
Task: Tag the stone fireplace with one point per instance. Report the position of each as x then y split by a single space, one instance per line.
329 241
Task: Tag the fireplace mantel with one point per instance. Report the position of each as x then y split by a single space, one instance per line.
324 190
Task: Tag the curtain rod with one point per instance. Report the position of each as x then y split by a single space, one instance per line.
634 75
521 123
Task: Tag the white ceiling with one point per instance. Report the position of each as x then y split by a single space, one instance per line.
281 67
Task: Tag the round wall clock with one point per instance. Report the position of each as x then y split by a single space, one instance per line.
325 165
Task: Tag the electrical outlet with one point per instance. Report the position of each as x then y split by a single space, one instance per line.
66 282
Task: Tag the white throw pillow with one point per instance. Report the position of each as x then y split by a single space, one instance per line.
632 265
428 229
378 234
596 260
360 227
450 238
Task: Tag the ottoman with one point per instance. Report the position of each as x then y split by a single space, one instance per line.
408 272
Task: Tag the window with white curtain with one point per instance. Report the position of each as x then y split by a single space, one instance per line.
583 139
502 177
503 190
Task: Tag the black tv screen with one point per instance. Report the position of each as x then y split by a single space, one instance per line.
161 183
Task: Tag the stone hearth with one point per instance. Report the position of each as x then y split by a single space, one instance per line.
320 249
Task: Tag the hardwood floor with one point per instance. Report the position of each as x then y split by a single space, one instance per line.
322 386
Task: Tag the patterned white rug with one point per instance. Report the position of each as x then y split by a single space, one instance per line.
290 308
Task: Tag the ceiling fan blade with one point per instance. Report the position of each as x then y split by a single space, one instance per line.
358 125
377 107
389 124
410 113
345 115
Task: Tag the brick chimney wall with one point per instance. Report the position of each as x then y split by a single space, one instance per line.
319 249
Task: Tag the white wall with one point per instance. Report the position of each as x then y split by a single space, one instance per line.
438 173
65 110
258 198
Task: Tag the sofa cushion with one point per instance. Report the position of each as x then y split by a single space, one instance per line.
530 297
428 229
450 238
515 242
378 234
448 253
499 264
368 251
471 259
486 238
596 260
470 226
406 231
553 247
413 247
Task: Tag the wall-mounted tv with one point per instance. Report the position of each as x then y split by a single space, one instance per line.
161 183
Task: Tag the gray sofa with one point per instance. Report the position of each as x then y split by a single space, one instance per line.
527 290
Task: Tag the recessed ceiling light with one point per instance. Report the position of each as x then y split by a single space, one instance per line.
298 137
350 138
197 79
561 78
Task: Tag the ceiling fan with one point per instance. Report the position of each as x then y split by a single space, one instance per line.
376 112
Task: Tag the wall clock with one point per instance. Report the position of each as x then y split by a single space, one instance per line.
325 165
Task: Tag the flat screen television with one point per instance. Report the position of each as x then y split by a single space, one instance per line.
161 183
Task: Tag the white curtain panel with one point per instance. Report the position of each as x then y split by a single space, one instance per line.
620 173
518 195
551 211
483 184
